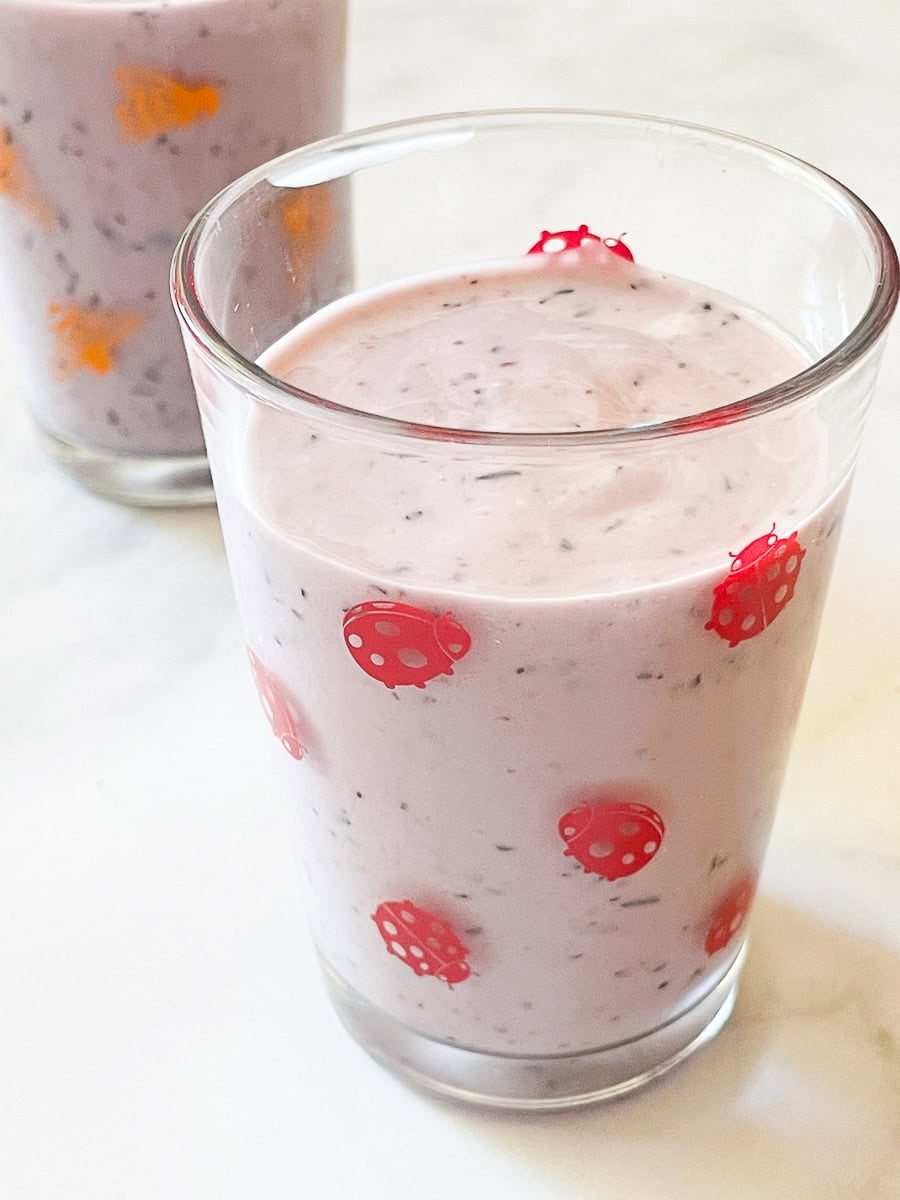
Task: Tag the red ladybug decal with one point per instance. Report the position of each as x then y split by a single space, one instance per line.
758 586
428 945
281 716
399 645
612 840
730 916
572 239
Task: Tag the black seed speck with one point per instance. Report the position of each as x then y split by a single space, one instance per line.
639 903
112 417
462 895
696 681
565 544
505 849
707 307
473 930
403 806
414 515
644 675
664 984
574 956
497 475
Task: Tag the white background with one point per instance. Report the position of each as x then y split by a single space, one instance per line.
163 1034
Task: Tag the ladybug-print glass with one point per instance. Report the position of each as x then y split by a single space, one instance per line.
530 538
117 122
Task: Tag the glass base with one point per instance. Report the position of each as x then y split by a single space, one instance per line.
539 1084
150 481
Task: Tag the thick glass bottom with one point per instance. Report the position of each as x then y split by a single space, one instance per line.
539 1084
150 481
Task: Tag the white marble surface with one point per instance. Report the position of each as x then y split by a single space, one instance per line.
162 1030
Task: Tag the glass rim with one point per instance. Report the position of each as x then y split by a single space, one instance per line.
285 396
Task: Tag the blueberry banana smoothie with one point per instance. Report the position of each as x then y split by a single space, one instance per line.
117 122
534 719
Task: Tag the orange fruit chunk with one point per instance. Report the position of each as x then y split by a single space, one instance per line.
87 338
307 216
17 184
154 103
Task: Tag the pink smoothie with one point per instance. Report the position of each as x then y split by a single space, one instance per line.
117 122
534 825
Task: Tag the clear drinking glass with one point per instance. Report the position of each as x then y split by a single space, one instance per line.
534 799
117 122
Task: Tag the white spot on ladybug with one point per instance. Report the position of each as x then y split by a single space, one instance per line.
601 849
398 949
411 657
389 928
377 660
355 640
